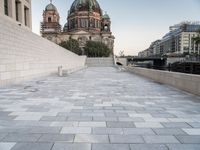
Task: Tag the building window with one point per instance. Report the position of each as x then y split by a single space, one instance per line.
6 7
84 23
26 16
17 10
49 19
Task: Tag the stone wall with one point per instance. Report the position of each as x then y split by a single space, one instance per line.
25 55
186 82
1 7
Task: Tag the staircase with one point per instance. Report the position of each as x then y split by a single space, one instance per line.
100 62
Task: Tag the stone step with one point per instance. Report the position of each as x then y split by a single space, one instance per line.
100 62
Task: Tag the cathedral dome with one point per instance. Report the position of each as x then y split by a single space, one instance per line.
106 16
50 7
85 5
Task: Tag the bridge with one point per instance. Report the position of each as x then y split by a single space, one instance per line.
96 108
157 61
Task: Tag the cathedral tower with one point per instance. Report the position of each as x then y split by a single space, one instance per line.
50 26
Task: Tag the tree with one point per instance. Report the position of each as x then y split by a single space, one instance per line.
96 49
72 45
121 54
197 42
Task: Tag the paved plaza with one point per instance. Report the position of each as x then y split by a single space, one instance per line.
98 109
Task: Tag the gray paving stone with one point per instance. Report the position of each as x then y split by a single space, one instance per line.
116 114
169 131
2 135
105 118
17 137
6 146
53 118
138 131
44 130
122 139
84 101
148 147
131 119
120 124
105 131
67 146
158 139
92 124
191 139
110 147
79 118
86 138
56 138
76 130
148 125
183 146
194 131
194 124
33 146
166 115
176 125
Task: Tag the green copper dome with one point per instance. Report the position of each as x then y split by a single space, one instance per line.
50 7
106 16
85 5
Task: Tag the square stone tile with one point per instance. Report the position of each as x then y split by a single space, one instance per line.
88 138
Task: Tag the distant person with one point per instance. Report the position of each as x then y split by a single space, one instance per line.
169 67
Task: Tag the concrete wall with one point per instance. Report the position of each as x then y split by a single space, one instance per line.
25 55
186 82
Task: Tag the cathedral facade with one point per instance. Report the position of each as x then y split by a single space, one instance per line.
85 22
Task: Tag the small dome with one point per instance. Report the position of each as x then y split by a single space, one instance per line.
106 16
50 7
85 5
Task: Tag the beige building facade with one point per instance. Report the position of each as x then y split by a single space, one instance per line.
18 10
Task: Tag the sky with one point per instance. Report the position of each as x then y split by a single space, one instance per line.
135 23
